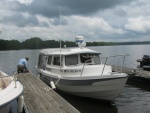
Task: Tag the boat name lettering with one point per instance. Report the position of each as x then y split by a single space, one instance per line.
70 71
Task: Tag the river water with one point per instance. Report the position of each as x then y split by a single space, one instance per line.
134 98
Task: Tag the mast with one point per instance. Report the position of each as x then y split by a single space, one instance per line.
59 37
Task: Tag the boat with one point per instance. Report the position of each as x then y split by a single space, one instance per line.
10 89
144 63
79 71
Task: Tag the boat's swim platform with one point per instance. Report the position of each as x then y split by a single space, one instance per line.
40 98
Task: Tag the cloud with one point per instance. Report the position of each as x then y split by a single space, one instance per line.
100 20
50 8
140 24
19 20
27 2
1 30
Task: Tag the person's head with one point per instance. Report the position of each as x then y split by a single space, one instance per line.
27 58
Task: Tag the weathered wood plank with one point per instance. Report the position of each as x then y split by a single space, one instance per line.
40 100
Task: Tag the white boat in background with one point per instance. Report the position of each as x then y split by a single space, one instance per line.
10 90
80 71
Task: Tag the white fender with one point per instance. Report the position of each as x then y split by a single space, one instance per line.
20 104
52 85
38 75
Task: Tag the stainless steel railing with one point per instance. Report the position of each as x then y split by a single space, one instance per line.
14 77
117 65
105 62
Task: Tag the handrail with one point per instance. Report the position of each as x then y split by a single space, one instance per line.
104 66
15 75
115 56
15 79
84 66
123 55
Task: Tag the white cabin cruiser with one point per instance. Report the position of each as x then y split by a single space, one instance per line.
80 71
10 89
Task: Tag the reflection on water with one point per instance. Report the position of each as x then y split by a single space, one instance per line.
135 97
133 100
87 105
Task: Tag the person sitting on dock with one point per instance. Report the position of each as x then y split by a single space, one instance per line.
22 66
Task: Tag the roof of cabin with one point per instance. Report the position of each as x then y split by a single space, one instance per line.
67 51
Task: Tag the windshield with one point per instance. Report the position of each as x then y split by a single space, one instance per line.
92 58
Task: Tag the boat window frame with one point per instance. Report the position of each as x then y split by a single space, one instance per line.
58 56
50 61
76 60
88 58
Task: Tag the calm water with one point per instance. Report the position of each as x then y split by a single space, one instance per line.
135 98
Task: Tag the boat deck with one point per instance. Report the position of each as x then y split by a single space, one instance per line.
40 98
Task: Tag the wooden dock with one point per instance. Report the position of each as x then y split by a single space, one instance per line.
40 98
136 74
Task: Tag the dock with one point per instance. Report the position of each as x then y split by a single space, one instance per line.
136 74
40 98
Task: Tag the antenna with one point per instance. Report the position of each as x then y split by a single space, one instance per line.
59 35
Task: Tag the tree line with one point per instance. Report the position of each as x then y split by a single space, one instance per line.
33 43
37 43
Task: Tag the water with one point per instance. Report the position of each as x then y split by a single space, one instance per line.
135 97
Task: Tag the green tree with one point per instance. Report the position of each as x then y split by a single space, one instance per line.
33 43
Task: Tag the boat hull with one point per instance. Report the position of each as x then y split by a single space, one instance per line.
9 93
102 88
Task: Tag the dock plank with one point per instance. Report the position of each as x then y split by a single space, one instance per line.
40 100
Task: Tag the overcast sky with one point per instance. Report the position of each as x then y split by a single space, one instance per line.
96 20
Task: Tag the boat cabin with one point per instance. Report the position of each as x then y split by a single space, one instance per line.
71 61
68 58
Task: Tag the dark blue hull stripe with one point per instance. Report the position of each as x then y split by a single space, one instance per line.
77 82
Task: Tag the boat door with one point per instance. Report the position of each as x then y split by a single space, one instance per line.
42 61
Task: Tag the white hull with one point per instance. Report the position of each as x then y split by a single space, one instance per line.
9 94
104 89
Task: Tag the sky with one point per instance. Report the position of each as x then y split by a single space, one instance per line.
96 20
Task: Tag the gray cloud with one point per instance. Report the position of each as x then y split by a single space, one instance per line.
19 20
96 20
50 8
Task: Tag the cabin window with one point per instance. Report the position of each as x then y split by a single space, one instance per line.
49 60
90 58
56 60
71 60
